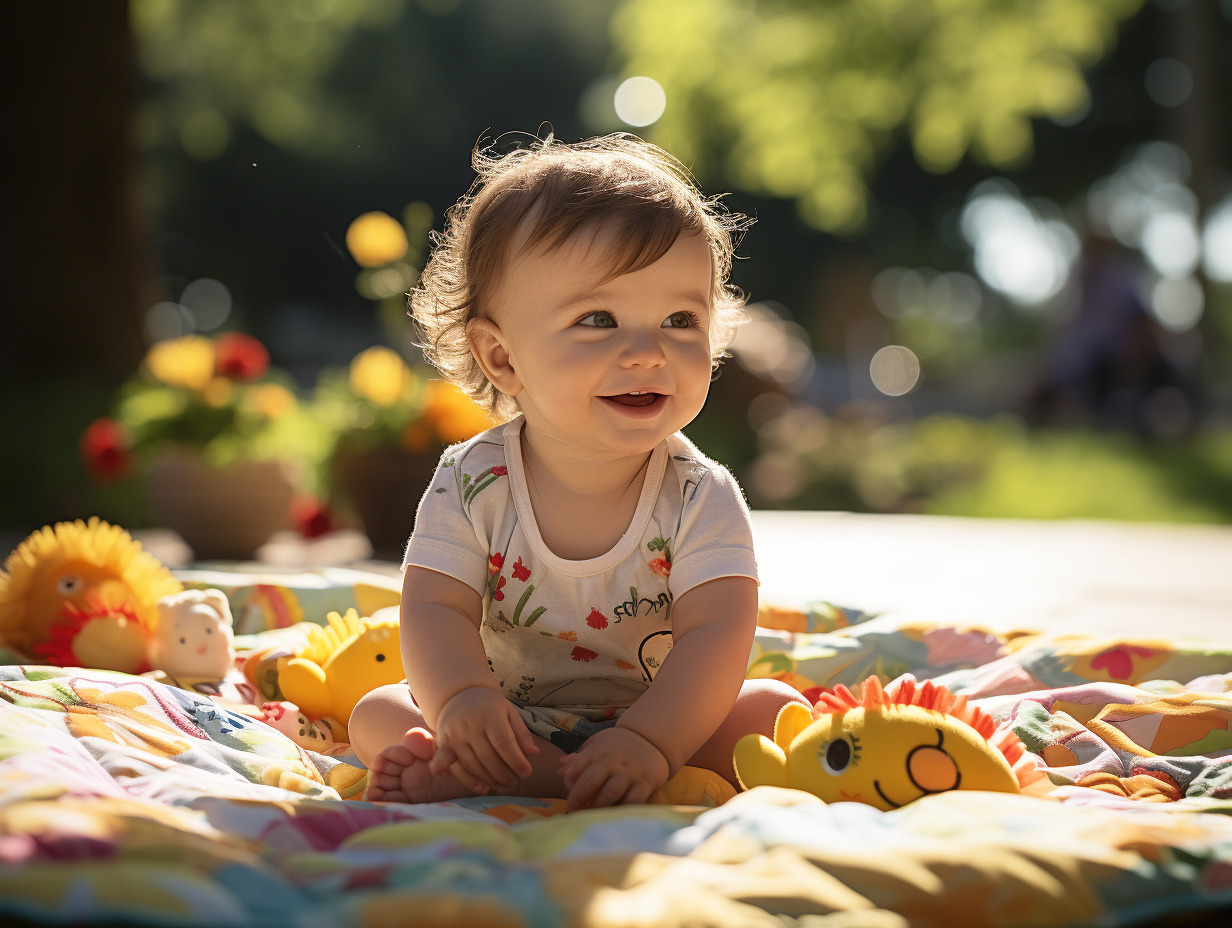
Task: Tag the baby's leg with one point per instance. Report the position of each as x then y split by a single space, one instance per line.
755 710
389 735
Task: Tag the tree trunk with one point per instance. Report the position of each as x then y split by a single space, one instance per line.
74 269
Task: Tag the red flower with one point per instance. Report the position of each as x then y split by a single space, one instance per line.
596 619
104 449
520 570
499 595
500 471
661 565
496 562
240 357
580 653
311 517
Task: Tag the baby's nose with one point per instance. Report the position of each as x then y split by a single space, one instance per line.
643 350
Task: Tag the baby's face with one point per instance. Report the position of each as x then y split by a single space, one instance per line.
607 368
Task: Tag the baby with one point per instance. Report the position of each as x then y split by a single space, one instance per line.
580 590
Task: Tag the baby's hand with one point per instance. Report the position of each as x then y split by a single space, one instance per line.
615 766
481 732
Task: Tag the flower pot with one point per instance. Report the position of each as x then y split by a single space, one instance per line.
383 487
222 513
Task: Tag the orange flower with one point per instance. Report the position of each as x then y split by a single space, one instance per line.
454 415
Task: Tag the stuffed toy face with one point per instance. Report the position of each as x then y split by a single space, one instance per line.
885 754
82 594
194 640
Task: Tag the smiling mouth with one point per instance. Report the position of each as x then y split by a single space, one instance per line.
877 787
638 399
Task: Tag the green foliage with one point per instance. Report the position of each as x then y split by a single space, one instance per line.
952 465
254 61
795 98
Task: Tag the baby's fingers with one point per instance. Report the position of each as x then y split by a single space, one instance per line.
442 760
512 747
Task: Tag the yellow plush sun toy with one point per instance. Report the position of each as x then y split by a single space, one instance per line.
341 662
886 748
82 594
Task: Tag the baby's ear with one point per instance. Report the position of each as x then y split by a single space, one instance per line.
487 343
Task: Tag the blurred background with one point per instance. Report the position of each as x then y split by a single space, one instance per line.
990 274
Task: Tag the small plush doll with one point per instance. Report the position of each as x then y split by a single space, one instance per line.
886 748
193 643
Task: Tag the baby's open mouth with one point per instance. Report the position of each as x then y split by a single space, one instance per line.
634 399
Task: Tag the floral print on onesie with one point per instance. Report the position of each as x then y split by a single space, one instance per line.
573 643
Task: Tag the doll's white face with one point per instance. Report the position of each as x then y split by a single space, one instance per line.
194 637
606 368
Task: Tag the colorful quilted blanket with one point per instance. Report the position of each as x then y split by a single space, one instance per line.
124 800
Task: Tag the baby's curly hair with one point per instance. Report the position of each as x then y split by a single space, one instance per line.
618 181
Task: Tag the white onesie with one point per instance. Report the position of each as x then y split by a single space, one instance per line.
574 643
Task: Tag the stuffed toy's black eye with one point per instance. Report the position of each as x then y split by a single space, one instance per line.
836 756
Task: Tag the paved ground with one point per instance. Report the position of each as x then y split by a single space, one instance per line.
1078 576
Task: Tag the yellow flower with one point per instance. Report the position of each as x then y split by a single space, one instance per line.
218 392
379 375
376 238
187 361
273 399
454 415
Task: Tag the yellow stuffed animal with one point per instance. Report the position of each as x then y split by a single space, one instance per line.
341 663
886 748
83 594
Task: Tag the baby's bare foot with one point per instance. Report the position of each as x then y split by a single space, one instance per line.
400 773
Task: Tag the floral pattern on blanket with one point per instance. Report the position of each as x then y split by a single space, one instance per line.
125 800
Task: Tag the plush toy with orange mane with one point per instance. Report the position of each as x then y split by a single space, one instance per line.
887 747
83 594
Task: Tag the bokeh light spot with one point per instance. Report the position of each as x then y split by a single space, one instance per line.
895 370
1217 244
166 319
376 238
1170 242
639 101
1017 252
1168 82
1178 303
208 301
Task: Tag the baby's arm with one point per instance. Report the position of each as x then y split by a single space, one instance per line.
694 691
447 669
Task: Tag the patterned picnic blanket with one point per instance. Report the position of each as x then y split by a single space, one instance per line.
125 800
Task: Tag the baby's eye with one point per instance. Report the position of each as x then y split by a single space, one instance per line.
681 320
68 584
600 320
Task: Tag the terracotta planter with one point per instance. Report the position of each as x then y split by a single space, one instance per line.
222 513
383 487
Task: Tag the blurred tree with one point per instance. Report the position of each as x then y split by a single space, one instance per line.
797 99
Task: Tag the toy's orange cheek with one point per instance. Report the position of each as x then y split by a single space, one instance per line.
932 770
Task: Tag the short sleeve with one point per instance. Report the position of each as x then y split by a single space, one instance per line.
715 538
445 539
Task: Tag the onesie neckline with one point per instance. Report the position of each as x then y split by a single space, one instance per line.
627 542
